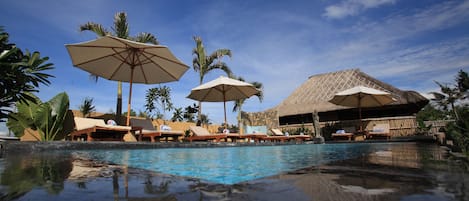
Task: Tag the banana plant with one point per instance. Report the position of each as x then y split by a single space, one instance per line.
46 118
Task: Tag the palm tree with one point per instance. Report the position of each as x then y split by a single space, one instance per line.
239 103
204 64
87 107
462 80
161 96
448 97
178 115
121 30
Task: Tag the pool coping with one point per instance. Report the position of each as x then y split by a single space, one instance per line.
30 147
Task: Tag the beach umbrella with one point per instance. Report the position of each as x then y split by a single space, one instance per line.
223 89
361 97
127 61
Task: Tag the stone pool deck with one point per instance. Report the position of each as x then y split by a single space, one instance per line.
28 147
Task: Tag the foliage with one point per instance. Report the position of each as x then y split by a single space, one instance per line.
178 115
205 120
298 131
189 112
22 73
158 101
455 96
430 113
45 118
132 113
239 103
121 30
87 107
451 95
459 131
143 114
204 63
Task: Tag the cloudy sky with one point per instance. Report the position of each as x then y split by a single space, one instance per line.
408 44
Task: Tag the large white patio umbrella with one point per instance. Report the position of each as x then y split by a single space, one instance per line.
360 97
223 89
128 61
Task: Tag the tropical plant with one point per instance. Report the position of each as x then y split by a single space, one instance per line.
189 112
462 81
45 118
87 107
158 100
132 113
203 63
448 97
456 98
21 73
178 115
205 120
121 30
143 114
239 103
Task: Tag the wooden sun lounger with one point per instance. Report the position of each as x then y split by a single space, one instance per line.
379 131
96 129
278 136
202 134
147 130
349 133
253 136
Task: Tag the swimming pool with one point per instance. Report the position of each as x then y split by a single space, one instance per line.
231 165
352 171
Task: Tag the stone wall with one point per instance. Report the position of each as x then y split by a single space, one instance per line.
267 118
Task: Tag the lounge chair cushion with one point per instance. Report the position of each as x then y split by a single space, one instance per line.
276 131
144 123
381 128
199 131
84 123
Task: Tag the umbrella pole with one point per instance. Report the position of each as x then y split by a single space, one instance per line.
224 107
360 113
130 96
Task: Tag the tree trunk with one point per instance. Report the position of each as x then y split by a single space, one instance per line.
240 124
119 103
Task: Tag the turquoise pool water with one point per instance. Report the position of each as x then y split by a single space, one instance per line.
231 165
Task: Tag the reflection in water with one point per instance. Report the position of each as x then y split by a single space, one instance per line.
23 173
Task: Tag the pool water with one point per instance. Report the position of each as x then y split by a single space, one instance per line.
231 165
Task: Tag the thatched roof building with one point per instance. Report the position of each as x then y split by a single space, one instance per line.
314 95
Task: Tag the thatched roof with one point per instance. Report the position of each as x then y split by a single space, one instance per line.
314 94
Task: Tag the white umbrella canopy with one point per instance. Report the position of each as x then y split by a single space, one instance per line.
360 97
223 89
363 97
128 61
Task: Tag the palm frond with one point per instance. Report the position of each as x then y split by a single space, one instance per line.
222 66
121 26
218 54
98 29
144 37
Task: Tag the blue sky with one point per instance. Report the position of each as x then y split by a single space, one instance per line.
407 44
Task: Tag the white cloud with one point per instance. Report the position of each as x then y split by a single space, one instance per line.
352 7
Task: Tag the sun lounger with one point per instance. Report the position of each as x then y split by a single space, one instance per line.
95 129
379 130
147 130
278 136
202 134
346 133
